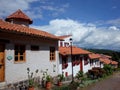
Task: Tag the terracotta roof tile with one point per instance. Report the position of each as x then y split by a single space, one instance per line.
19 15
108 61
75 51
94 56
6 26
114 62
105 61
105 56
64 36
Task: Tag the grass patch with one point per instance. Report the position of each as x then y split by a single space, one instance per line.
88 82
65 87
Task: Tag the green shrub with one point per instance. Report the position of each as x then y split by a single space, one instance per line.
61 77
61 88
108 69
79 75
73 85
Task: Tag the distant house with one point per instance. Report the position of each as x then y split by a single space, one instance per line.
79 59
105 59
22 47
94 60
99 60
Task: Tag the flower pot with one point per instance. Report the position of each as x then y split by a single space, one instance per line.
48 85
31 88
59 83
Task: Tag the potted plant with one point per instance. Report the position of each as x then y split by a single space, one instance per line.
31 79
47 79
60 79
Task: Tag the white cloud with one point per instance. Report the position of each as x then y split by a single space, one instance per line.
33 14
34 11
115 22
85 35
56 10
9 6
113 28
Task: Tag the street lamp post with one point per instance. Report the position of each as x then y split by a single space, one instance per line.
71 57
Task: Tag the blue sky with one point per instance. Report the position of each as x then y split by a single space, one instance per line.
93 23
81 10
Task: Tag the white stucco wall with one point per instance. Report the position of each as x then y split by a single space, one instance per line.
66 40
102 65
86 67
96 63
76 68
15 72
68 69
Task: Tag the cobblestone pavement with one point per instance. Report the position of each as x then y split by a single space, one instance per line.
110 83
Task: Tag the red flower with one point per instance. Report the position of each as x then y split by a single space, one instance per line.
65 65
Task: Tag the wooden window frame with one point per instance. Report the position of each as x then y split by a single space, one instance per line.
17 53
52 54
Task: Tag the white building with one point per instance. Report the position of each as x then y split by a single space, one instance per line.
106 59
22 47
95 60
79 57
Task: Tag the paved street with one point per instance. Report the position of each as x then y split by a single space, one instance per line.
111 83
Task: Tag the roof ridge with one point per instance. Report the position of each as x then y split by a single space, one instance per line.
64 36
19 15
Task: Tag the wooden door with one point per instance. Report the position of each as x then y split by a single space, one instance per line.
2 63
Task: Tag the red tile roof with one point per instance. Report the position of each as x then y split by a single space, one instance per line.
114 62
15 28
108 56
64 36
75 51
105 61
108 61
19 15
94 56
105 56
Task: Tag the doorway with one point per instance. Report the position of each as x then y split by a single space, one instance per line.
2 63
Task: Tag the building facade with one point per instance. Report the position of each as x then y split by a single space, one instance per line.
72 59
22 47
